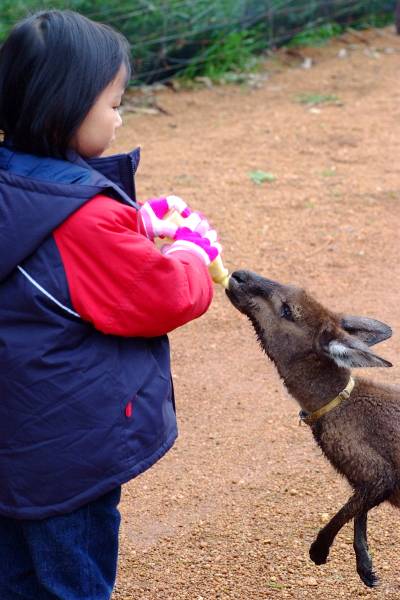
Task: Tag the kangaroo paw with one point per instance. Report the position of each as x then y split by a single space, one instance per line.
319 552
368 577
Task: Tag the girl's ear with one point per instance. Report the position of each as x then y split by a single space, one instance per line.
350 352
369 331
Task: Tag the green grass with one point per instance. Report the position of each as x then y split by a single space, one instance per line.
313 99
260 177
320 35
275 585
235 52
329 172
317 36
374 20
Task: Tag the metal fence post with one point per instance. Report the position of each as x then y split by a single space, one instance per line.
397 17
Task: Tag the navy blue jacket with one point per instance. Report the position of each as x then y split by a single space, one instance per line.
66 436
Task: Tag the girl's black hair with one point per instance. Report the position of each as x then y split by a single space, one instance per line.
53 66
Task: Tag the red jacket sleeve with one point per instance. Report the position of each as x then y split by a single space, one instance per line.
120 281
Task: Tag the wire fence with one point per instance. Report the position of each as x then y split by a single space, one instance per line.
170 36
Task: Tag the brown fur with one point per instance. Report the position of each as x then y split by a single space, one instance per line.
314 350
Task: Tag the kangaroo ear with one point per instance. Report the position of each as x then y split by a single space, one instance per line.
369 331
349 352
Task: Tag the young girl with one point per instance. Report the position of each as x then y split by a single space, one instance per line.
86 300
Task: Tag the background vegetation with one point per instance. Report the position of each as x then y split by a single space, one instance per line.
211 37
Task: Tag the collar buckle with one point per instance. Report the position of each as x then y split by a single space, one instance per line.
310 418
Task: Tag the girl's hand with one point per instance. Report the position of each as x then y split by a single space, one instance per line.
205 246
153 212
157 224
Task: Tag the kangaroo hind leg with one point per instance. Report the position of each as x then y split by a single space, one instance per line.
363 558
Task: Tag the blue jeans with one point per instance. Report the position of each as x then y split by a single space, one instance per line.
67 557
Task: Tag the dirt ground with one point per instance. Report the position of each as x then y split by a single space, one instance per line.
230 512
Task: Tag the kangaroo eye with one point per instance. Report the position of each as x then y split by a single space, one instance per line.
286 312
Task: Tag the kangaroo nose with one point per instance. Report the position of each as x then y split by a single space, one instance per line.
240 276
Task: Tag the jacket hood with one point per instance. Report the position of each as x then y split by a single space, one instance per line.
38 193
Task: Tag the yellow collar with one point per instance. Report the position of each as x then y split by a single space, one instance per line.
310 418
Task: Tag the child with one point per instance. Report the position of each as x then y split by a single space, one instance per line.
86 298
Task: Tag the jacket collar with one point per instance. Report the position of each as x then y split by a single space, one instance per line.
114 173
38 193
118 168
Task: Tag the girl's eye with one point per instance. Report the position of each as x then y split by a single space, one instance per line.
286 312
